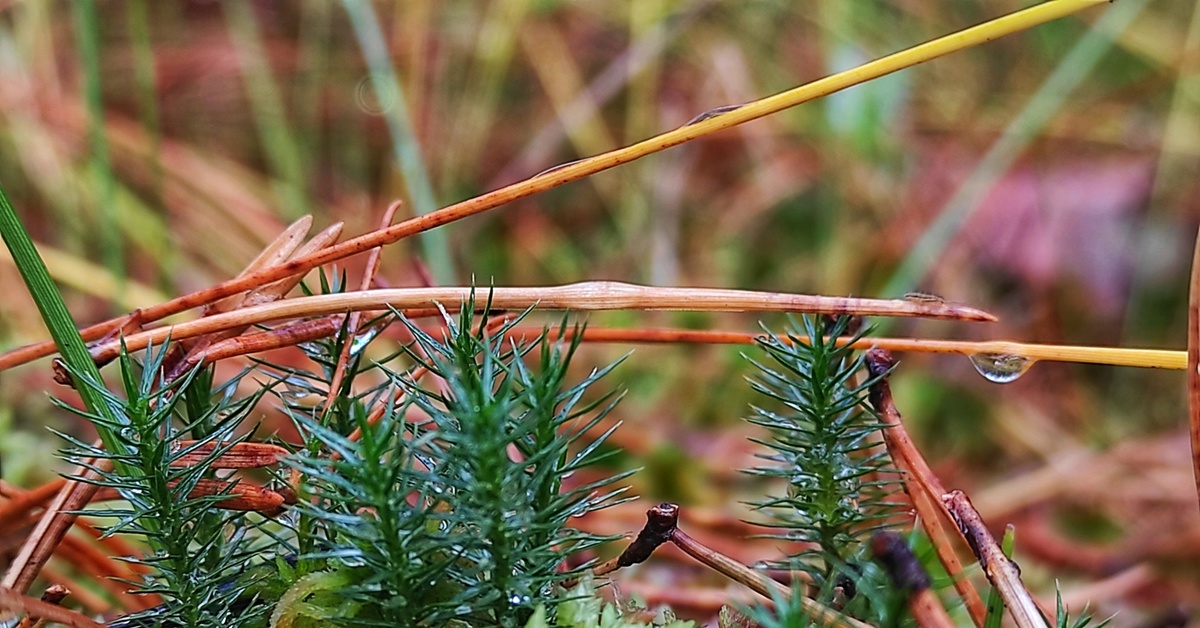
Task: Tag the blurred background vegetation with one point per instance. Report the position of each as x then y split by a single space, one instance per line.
1049 177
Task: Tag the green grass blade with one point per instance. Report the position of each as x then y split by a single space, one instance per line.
434 243
58 320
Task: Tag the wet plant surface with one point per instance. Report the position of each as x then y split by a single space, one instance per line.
360 286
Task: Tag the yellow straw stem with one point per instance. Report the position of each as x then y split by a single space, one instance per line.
1115 356
712 122
730 117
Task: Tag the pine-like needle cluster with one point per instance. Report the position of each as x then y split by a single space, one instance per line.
196 552
822 445
454 505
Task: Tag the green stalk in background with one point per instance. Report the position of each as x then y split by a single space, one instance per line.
404 142
1038 111
62 328
87 26
278 140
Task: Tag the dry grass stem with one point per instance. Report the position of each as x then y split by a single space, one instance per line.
1001 570
758 582
51 527
590 295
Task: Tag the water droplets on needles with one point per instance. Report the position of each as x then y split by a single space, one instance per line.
1001 368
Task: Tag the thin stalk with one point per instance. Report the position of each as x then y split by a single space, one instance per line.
1003 573
757 581
87 24
704 126
920 483
270 117
1113 356
591 295
406 149
995 603
353 319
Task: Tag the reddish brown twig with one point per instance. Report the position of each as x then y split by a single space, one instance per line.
287 245
909 576
1000 569
73 496
58 517
12 600
54 594
351 321
922 486
660 522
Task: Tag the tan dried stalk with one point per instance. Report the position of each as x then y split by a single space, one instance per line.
1000 569
592 295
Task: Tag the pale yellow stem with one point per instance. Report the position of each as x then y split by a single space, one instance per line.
1115 356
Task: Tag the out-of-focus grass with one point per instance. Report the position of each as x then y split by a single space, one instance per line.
256 112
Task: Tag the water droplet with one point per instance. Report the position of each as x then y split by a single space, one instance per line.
1001 368
517 600
363 339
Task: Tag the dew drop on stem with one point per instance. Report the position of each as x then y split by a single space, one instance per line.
1001 368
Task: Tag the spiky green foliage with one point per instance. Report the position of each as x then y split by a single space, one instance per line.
197 553
821 434
375 509
1062 618
463 515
